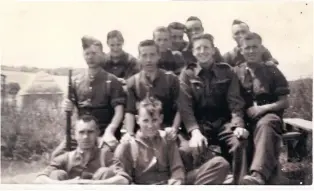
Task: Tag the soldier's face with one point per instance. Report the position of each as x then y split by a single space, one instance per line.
148 58
115 45
162 39
176 38
238 31
252 50
93 56
149 123
203 51
194 28
86 134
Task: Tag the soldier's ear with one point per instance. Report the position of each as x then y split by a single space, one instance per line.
137 119
161 118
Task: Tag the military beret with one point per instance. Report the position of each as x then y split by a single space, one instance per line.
87 41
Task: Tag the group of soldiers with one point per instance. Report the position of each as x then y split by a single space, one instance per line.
174 101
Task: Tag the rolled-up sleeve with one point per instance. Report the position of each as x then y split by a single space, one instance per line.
117 94
131 96
281 86
185 103
235 101
115 164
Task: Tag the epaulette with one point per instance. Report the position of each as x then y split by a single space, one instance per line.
223 64
176 53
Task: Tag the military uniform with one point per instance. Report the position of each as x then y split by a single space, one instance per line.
165 88
152 161
263 86
235 58
124 68
171 61
101 165
98 96
189 57
210 100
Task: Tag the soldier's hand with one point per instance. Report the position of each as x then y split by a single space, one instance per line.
122 81
240 132
110 139
67 105
198 142
256 111
171 133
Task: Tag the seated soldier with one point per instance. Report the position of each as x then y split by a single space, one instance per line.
151 158
118 62
266 91
87 164
98 93
234 57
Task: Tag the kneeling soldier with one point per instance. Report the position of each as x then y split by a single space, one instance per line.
266 91
87 164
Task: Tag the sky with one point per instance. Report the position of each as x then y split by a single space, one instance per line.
48 34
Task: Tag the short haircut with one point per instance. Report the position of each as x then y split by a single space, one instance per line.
147 43
88 41
194 18
251 36
176 26
161 29
151 105
115 34
238 22
203 36
87 119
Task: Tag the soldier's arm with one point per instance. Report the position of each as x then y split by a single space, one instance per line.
226 58
280 89
268 58
235 101
130 107
176 164
118 99
185 103
134 68
123 154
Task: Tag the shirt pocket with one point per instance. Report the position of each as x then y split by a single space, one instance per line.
220 87
197 88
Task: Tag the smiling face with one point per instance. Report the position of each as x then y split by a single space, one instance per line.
194 28
252 50
149 122
115 45
203 51
239 31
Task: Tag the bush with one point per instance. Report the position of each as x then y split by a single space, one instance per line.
30 132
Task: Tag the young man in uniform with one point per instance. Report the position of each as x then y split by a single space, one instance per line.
151 158
234 57
176 30
169 60
98 93
164 85
118 62
194 27
211 106
266 91
87 164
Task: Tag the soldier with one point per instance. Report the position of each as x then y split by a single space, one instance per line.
151 158
211 105
87 164
176 30
194 27
266 91
169 60
98 93
163 85
118 62
139 156
234 57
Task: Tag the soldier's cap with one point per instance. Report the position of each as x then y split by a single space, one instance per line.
87 41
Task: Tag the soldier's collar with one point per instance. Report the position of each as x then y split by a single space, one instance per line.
197 68
143 140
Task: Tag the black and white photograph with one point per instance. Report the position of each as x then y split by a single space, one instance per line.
156 93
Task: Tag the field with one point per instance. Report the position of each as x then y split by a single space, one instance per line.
27 137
